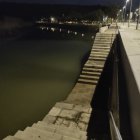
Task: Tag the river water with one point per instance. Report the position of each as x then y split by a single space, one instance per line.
37 70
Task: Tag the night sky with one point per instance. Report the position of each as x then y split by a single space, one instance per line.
76 2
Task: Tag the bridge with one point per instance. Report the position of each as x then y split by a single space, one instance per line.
104 103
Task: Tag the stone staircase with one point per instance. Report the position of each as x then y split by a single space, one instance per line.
68 120
64 122
83 91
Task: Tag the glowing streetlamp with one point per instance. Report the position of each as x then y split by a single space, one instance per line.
138 18
75 33
120 15
124 10
82 35
124 14
130 13
126 5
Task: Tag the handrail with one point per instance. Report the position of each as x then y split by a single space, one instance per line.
115 133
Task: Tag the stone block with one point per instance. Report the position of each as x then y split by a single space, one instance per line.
66 132
45 128
90 110
81 108
73 125
27 136
55 111
65 123
64 105
42 134
81 126
70 114
85 117
59 121
49 119
11 138
42 123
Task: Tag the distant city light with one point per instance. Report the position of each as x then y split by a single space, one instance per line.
75 33
52 19
42 28
53 29
124 7
82 35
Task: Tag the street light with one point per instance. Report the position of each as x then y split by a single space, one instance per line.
120 15
124 14
130 13
138 18
124 8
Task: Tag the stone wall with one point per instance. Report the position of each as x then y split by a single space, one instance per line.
133 93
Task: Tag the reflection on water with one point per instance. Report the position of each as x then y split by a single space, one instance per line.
36 71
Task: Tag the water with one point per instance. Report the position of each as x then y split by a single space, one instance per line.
36 71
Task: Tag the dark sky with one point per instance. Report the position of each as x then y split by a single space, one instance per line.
77 2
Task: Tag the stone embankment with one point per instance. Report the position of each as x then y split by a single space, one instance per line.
68 120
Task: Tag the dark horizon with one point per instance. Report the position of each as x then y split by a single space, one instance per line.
118 3
67 2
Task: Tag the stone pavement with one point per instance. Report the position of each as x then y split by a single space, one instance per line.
68 120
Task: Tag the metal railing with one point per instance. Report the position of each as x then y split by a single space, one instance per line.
115 133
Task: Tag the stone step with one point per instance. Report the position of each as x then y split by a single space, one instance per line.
61 130
101 47
99 50
64 105
77 107
92 69
97 59
93 66
105 34
103 39
102 42
91 73
90 77
86 81
36 134
12 138
61 133
55 127
98 55
26 136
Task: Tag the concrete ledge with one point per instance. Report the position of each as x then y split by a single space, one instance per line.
103 29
